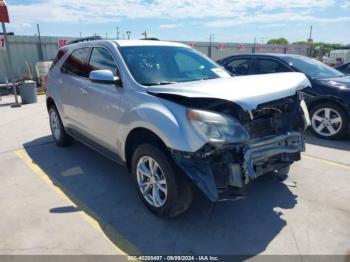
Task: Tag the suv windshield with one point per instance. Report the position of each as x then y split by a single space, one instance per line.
162 65
313 68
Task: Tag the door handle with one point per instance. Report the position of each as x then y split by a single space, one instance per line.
83 90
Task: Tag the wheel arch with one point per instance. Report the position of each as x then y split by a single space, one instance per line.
139 136
49 103
330 99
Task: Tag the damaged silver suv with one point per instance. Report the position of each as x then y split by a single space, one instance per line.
175 118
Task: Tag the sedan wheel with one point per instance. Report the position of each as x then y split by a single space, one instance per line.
328 121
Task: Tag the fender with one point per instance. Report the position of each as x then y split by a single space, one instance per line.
162 120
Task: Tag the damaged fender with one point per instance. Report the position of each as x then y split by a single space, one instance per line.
200 172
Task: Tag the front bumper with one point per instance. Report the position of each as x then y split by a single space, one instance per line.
260 150
218 171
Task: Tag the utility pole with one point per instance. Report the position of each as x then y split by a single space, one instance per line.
41 56
128 33
118 32
4 18
211 40
254 46
144 34
310 41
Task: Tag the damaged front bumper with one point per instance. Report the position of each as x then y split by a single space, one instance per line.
218 171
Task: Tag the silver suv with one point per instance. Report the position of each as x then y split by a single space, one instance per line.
175 118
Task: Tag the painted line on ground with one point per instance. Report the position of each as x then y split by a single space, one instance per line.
124 247
326 161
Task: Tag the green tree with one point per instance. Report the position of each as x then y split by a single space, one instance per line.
327 47
278 41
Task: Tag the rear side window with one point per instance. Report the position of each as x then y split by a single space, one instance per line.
240 66
76 63
101 59
269 66
59 55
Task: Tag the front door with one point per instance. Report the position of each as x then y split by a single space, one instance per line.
101 102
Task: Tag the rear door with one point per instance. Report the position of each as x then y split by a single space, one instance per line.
74 78
239 66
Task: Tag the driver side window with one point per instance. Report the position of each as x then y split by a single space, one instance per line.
101 59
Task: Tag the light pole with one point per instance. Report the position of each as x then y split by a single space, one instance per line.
128 33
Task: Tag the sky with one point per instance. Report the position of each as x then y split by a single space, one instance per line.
188 20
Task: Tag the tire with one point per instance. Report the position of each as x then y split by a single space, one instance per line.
57 129
283 172
165 191
328 121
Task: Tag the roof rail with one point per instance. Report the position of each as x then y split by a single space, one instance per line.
150 38
85 39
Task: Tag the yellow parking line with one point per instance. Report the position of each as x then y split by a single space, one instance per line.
84 211
326 161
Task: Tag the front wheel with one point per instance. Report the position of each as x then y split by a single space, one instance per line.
328 121
160 184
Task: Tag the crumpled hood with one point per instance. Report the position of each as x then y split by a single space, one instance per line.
246 91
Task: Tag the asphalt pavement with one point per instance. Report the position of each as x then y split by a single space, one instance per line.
74 201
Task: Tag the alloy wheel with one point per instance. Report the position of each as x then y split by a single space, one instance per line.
327 122
151 181
55 125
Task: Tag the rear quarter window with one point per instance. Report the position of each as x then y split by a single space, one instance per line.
58 57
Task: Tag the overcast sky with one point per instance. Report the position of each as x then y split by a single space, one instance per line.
195 20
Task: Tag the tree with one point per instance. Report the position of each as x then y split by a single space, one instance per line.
327 47
278 41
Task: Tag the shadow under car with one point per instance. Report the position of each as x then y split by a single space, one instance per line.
107 192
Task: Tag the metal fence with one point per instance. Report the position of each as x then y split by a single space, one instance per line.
24 51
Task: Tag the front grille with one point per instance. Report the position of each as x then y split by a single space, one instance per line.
272 118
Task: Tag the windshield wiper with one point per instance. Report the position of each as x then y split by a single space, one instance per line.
198 79
209 78
159 83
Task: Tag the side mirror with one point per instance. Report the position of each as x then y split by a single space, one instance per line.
104 77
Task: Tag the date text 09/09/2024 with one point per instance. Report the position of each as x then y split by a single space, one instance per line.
173 258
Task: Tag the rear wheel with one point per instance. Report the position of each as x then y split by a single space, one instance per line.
57 129
161 185
328 121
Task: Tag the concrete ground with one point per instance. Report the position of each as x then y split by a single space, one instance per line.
74 201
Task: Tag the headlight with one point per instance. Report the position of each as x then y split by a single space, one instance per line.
216 128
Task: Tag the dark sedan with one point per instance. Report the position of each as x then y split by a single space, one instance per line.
344 68
328 99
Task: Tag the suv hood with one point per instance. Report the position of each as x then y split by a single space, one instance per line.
246 91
